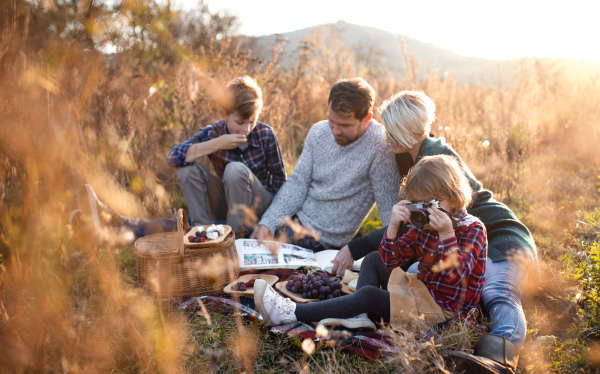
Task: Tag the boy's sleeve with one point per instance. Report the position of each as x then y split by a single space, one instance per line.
293 192
395 251
469 249
176 156
275 162
385 181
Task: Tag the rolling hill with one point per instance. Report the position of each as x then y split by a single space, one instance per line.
368 43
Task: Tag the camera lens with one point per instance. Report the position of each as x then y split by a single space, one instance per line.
419 217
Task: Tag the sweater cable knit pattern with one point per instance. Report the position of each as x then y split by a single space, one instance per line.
333 188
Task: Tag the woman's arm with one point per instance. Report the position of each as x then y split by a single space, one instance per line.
361 247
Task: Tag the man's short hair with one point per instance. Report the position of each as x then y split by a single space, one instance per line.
242 96
352 97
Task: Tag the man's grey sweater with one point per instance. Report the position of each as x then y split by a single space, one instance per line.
333 188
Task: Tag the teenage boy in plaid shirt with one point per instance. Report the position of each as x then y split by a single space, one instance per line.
244 153
246 158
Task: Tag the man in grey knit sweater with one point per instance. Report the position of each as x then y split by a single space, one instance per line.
345 167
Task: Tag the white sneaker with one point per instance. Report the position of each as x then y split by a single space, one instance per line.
360 321
272 306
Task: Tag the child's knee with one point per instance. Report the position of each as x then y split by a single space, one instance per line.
366 289
371 260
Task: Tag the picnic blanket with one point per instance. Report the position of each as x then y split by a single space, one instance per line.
371 345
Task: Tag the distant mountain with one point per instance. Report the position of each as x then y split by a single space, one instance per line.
363 41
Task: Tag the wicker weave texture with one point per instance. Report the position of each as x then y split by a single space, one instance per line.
203 270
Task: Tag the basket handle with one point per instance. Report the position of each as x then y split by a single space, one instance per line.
182 222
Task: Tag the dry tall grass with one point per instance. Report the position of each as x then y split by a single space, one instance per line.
72 115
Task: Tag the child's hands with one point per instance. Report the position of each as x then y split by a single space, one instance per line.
439 221
231 141
400 214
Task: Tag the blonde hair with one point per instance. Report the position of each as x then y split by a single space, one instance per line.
440 177
242 96
407 114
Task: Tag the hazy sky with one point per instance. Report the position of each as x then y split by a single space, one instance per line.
482 28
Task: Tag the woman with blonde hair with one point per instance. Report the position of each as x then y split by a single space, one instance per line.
407 117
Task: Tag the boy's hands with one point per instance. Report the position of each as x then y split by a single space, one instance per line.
223 142
440 222
231 141
400 214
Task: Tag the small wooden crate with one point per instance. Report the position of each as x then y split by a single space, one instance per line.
171 269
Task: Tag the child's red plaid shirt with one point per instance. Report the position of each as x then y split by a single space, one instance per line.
456 289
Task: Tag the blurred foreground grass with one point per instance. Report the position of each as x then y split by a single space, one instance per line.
71 114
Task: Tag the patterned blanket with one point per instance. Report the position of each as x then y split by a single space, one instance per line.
370 345
373 345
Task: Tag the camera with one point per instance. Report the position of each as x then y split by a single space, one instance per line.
419 216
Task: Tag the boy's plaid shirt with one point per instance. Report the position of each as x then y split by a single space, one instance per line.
262 155
457 289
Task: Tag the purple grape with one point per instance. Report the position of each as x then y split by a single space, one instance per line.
330 296
290 283
297 284
323 290
305 287
322 296
294 289
315 292
327 290
318 284
304 295
297 278
337 293
335 285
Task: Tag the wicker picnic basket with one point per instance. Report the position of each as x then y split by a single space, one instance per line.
171 269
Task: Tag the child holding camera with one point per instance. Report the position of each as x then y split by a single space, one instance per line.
451 249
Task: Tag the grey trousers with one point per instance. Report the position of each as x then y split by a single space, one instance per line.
240 195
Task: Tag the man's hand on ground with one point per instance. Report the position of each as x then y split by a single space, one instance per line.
342 261
261 233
